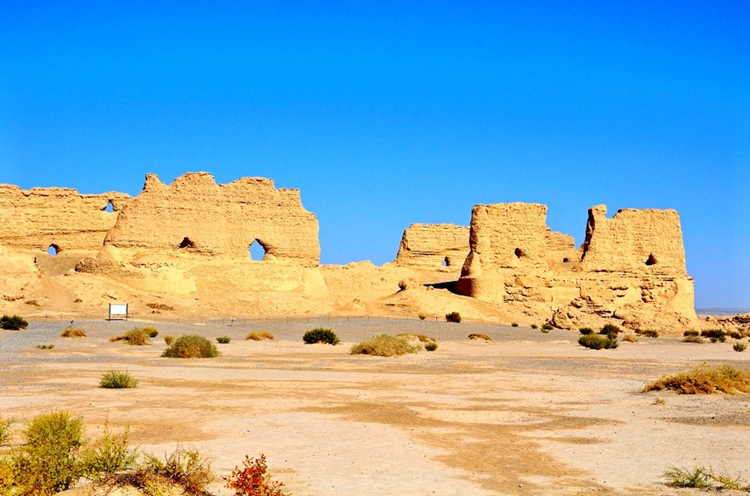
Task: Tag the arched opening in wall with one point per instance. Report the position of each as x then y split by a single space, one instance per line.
53 249
257 250
109 208
566 260
519 253
187 243
446 262
651 259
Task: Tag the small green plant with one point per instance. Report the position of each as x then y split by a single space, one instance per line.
514 324
112 379
13 323
191 347
320 335
478 336
253 479
630 338
260 336
223 339
135 337
73 332
692 339
422 316
383 345
610 330
45 346
431 346
704 380
697 478
453 317
168 340
659 401
185 468
586 331
151 331
534 326
597 342
714 335
739 347
691 332
547 326
107 455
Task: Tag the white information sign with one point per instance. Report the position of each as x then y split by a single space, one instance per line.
118 310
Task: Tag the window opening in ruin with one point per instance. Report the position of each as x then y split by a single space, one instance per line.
257 250
651 260
519 253
53 249
446 262
186 243
566 260
109 208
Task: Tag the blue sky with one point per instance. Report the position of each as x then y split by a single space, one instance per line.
388 113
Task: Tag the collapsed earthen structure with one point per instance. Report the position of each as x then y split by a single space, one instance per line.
432 246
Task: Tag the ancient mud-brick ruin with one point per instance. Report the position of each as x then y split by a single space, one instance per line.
631 267
432 246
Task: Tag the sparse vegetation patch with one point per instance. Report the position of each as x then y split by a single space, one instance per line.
260 336
704 380
692 339
13 323
739 347
191 347
321 335
253 479
586 331
151 331
597 342
453 317
432 346
113 379
383 345
73 332
714 335
630 338
45 346
136 337
223 339
547 326
478 336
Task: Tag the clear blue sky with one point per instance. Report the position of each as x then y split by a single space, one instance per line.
390 113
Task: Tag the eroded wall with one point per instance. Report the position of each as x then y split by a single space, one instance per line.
33 220
433 246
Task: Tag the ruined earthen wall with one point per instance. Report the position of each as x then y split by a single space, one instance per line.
429 246
33 220
560 248
648 241
196 215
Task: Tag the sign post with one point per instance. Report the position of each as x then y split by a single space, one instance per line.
118 310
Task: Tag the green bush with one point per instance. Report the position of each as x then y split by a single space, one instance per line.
151 331
14 323
422 316
691 332
431 346
453 317
383 345
586 331
692 339
223 339
610 330
107 455
714 335
514 324
113 379
4 432
534 326
320 335
697 478
735 334
740 347
649 333
191 347
135 337
596 342
547 327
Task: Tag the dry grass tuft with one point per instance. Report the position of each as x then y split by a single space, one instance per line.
477 336
73 332
416 337
630 338
704 380
260 336
383 345
136 337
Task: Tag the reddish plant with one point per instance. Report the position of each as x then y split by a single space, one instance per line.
252 479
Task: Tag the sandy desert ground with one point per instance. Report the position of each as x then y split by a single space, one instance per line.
529 413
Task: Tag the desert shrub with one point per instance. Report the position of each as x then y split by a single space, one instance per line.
586 331
692 339
714 335
422 316
534 326
107 455
432 346
545 330
151 331
648 333
630 338
453 317
185 468
735 334
479 336
191 347
136 337
13 323
260 336
223 339
597 342
320 335
73 332
547 326
514 324
698 477
253 479
168 340
419 337
4 431
113 379
704 380
740 347
47 462
610 330
45 346
383 345
691 332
